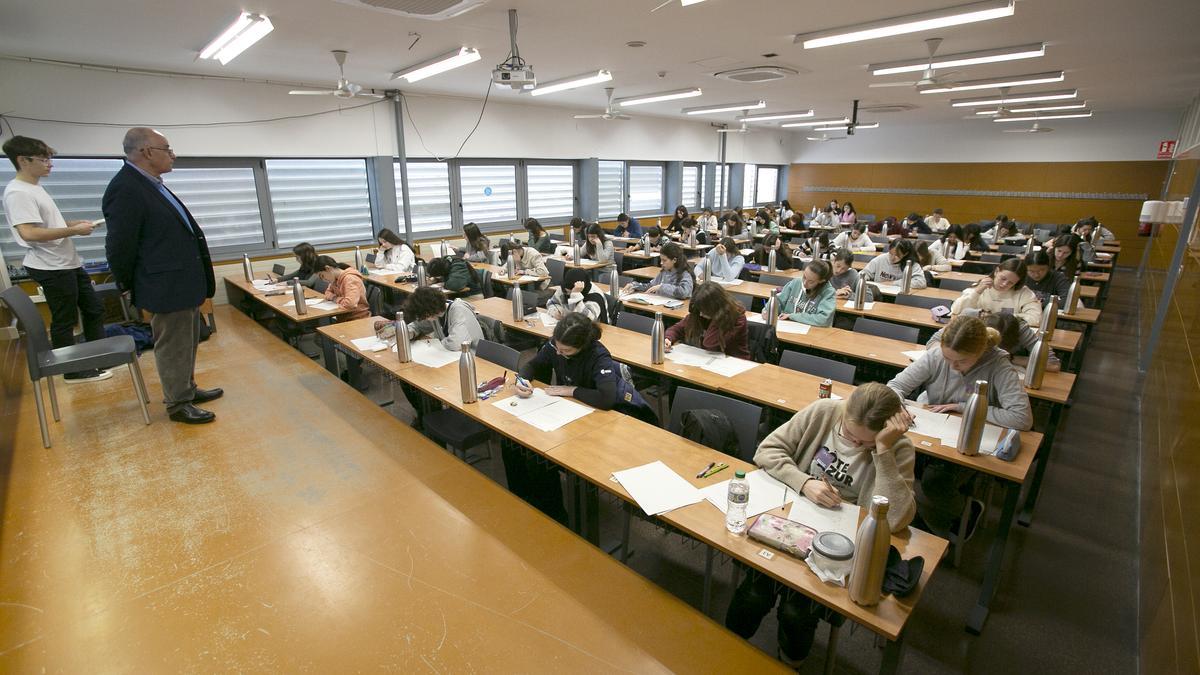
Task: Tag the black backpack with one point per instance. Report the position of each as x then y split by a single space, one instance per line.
710 428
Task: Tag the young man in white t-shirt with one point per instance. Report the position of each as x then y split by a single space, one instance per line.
50 258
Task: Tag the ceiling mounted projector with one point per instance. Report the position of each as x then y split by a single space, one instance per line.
514 73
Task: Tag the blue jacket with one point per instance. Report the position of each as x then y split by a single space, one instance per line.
630 229
151 250
596 377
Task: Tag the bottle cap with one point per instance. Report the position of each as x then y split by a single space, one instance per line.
833 545
739 474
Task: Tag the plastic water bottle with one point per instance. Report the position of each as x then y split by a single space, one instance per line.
735 508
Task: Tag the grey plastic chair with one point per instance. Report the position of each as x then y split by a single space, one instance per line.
743 416
635 322
454 429
557 269
921 236
885 329
501 355
955 284
774 280
46 362
818 365
746 301
921 301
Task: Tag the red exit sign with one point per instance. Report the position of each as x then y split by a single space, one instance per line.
1166 149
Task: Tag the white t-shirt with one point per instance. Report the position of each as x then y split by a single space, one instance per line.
844 466
28 203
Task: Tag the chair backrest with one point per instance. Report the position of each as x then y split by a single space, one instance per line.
501 355
1010 248
635 322
774 279
818 365
864 257
619 260
624 280
278 269
928 237
746 301
886 329
972 267
990 257
557 269
28 320
485 283
878 238
556 236
743 416
374 300
531 299
955 284
921 301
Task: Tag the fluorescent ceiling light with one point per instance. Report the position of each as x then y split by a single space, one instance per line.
448 61
913 23
768 117
958 60
829 121
1036 118
725 107
872 125
573 82
994 82
661 96
1030 97
685 3
1038 108
244 31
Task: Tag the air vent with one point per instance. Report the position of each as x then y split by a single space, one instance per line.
884 108
430 10
755 74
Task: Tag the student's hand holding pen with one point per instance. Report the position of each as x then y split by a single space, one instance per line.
820 492
524 389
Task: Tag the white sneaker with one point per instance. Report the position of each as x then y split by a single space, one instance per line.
87 376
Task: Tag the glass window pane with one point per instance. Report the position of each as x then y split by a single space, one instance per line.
612 189
489 193
691 187
77 186
223 200
428 195
749 178
768 179
551 189
319 200
645 189
722 178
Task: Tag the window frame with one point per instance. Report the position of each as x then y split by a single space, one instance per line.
758 182
523 190
698 194
662 192
623 205
456 194
372 188
441 233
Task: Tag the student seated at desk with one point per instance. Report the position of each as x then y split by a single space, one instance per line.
951 245
676 278
676 224
823 240
810 299
707 220
973 238
931 260
855 239
529 261
1067 258
833 453
1016 338
888 267
656 237
845 277
628 226
538 239
393 254
764 221
597 247
1043 280
346 287
715 321
914 224
785 210
428 315
1002 292
1089 228
455 274
848 215
578 295
306 274
1001 229
968 351
937 222
690 227
762 252
794 221
478 248
582 368
826 218
724 261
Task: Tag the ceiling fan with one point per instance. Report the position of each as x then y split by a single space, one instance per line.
345 88
743 129
609 113
1035 129
824 137
928 77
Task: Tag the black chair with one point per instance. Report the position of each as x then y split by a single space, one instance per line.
455 430
46 362
991 257
746 301
819 366
885 329
375 300
774 279
743 416
635 322
1011 249
955 284
864 257
501 355
921 301
485 283
557 269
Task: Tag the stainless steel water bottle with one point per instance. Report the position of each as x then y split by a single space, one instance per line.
974 416
870 555
1050 316
422 276
518 307
772 255
906 282
772 309
1035 370
247 269
467 381
1072 303
403 346
658 338
860 293
298 297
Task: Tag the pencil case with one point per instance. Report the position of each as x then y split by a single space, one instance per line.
794 539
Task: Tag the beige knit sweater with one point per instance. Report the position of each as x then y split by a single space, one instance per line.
787 453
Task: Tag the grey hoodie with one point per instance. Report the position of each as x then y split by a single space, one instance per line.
1008 404
848 279
461 325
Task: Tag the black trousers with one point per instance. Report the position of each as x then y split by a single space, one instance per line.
69 294
534 479
798 615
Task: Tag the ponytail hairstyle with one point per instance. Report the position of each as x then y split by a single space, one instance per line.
507 246
1008 327
822 269
679 261
1014 265
576 330
712 300
871 405
969 335
924 257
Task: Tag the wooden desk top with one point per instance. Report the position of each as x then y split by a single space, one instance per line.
277 302
1087 292
600 453
1098 277
1082 314
638 254
500 274
584 265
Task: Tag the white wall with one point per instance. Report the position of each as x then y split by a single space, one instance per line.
1107 136
507 130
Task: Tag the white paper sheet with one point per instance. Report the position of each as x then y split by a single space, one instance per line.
657 300
843 519
547 320
945 427
687 355
766 493
431 353
794 327
867 306
370 344
656 488
519 407
559 413
987 443
325 305
729 366
914 354
728 282
888 289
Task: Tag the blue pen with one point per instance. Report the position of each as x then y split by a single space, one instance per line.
521 381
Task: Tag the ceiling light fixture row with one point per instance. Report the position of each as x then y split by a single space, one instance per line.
1038 118
725 107
1005 99
245 30
843 127
912 23
1037 108
771 117
437 65
996 82
829 121
1029 51
574 82
657 97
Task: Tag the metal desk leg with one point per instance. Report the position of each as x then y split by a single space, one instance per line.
627 514
1026 515
592 508
328 353
706 603
893 652
991 575
831 649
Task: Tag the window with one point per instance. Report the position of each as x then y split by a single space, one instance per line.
489 193
749 178
428 195
551 191
645 188
612 189
77 186
768 180
319 200
224 200
691 186
719 193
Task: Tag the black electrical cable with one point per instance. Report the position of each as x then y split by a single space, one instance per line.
194 124
411 120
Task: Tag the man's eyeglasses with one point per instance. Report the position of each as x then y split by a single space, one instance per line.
43 160
165 148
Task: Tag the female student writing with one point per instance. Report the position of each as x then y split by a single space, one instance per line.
675 280
973 238
455 274
764 220
785 211
598 246
306 274
1004 290
854 239
707 220
1067 258
931 259
529 260
478 247
810 299
627 226
714 322
451 325
951 245
346 287
690 227
578 295
848 215
762 252
888 268
538 239
725 261
1043 280
833 453
393 254
1016 339
676 224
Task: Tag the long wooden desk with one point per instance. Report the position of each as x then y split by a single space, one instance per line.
1086 292
241 292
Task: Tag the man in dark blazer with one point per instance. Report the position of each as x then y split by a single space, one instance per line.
157 251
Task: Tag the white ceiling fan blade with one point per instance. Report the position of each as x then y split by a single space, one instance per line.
880 85
312 92
589 117
620 117
360 95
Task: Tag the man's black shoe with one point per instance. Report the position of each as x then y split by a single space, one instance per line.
190 414
205 395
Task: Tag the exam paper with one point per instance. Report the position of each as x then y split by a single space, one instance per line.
867 306
657 300
327 305
728 282
843 519
914 354
369 344
543 411
713 362
519 407
656 488
784 325
547 320
766 493
431 353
